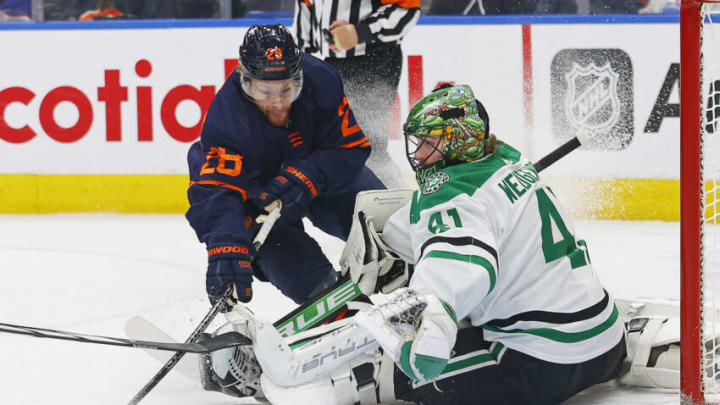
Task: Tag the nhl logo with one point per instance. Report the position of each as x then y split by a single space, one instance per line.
434 183
592 101
592 90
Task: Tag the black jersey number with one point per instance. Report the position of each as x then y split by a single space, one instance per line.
550 217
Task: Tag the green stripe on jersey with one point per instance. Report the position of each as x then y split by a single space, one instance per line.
481 261
485 357
563 337
496 349
465 178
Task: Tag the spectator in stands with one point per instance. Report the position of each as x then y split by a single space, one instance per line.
557 7
239 8
173 8
616 6
145 9
661 7
67 9
466 7
15 10
268 5
105 10
455 7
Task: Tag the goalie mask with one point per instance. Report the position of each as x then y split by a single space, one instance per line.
448 126
269 55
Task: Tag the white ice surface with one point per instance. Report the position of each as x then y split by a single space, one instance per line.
90 273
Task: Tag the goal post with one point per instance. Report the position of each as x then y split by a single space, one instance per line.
700 200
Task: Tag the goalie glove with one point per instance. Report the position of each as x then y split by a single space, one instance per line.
417 331
371 261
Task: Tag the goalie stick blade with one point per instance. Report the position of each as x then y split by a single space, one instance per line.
139 328
225 340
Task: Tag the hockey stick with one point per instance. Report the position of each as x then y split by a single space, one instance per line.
190 340
268 222
225 340
582 138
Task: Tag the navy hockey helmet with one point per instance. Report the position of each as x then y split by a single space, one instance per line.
269 52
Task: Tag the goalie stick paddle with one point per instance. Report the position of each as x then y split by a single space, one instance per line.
218 342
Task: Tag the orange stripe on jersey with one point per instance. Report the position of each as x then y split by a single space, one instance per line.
403 3
221 184
341 108
356 143
346 129
296 144
293 134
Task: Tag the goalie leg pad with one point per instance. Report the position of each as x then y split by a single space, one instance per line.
366 381
653 344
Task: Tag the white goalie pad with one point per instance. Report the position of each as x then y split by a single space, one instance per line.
369 383
306 356
365 256
653 342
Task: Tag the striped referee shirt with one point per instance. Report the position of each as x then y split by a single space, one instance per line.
378 22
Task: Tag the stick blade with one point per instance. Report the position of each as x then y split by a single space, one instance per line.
223 341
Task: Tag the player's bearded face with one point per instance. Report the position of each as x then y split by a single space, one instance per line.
429 149
274 98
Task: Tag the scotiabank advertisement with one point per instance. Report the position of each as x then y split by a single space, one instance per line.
131 100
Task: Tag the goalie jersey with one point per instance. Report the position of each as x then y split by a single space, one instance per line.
489 238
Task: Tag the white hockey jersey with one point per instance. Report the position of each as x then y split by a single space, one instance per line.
490 239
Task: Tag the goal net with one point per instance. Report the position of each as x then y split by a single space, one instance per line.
700 201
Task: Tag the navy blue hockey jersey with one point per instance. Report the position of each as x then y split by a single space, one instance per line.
239 151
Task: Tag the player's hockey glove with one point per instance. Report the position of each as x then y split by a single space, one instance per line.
229 263
296 185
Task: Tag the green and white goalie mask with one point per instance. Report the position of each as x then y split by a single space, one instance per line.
449 121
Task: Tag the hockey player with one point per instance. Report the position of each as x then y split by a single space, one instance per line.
491 245
491 248
279 129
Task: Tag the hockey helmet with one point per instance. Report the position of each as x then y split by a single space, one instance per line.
453 121
269 52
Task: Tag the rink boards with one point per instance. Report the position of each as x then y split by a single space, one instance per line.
99 116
